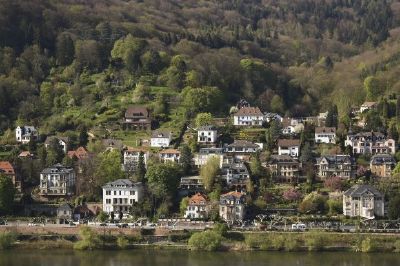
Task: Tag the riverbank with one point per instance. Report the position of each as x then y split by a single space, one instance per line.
115 239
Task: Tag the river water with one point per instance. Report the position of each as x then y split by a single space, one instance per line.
182 258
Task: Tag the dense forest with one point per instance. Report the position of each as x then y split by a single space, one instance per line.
65 64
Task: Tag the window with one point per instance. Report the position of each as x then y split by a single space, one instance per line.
132 192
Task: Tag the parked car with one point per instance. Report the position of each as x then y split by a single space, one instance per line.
299 227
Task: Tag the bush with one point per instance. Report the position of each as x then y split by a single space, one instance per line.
207 240
314 242
221 229
397 246
291 244
89 239
122 242
7 239
367 245
277 242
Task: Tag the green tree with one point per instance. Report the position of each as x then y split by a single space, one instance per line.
393 208
209 173
55 152
332 117
83 137
183 205
65 50
256 168
196 100
89 240
140 170
109 167
163 179
277 104
152 62
88 55
7 192
306 153
372 87
207 241
186 159
203 119
129 50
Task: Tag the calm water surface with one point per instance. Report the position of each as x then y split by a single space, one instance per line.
182 258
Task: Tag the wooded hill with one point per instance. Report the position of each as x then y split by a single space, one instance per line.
65 64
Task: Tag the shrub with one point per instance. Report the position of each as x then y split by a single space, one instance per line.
291 244
207 240
314 242
7 239
367 245
397 246
221 229
277 242
89 239
122 242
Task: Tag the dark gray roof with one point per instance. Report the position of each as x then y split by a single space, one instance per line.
379 159
211 151
65 206
336 159
57 169
161 134
359 190
28 130
122 183
113 143
243 143
207 128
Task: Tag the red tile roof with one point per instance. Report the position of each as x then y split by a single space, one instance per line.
79 153
170 151
7 168
249 111
198 199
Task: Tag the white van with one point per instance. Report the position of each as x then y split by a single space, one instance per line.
299 227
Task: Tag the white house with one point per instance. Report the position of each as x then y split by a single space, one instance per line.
370 143
170 155
232 206
289 147
204 154
131 158
120 195
248 116
198 207
368 106
160 139
25 134
57 180
62 141
207 134
325 135
363 201
292 126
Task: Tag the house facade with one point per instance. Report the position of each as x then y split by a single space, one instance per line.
137 118
120 195
235 173
7 169
132 156
198 207
248 116
382 165
363 201
336 165
241 147
232 207
62 141
370 143
325 135
160 139
207 134
57 181
284 168
366 106
24 134
289 147
205 154
65 213
170 155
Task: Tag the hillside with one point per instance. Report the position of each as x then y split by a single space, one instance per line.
74 63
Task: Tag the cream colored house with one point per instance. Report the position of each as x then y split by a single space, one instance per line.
363 201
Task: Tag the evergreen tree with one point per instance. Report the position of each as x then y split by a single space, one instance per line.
306 153
7 192
140 170
332 117
398 109
55 153
65 49
186 159
83 137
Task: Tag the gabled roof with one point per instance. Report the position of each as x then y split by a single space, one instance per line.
25 154
161 134
7 168
368 104
28 130
170 151
319 130
136 111
232 195
359 190
336 159
249 111
380 159
122 183
65 207
242 143
79 153
136 149
288 142
207 128
57 168
198 199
